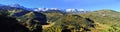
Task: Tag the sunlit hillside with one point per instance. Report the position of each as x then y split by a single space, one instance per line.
55 20
106 17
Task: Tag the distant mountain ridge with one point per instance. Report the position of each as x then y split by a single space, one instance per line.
80 20
17 6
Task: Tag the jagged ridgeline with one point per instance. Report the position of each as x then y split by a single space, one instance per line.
63 22
57 21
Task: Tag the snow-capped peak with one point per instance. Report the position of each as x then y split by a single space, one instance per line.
14 5
70 10
81 9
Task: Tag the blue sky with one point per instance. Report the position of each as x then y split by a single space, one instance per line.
64 4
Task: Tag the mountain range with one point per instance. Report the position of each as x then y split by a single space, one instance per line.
57 20
17 6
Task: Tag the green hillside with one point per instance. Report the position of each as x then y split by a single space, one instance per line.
110 18
56 21
104 17
72 23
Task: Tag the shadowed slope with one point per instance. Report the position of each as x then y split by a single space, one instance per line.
9 24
